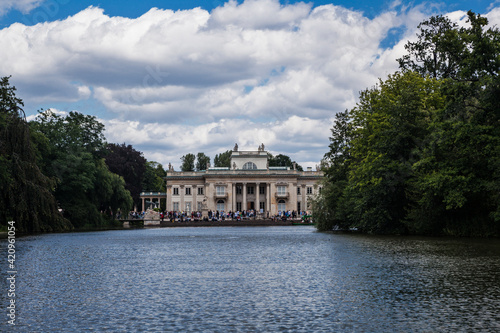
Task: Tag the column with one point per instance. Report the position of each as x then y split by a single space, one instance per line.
257 197
143 202
272 192
244 203
304 198
233 196
181 204
293 196
268 199
194 203
229 201
169 198
210 196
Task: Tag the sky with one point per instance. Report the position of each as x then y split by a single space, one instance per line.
178 77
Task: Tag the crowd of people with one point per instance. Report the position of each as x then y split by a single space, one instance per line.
215 215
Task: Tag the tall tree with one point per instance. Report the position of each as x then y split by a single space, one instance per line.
223 160
392 122
73 156
437 51
188 162
328 206
456 176
443 50
154 177
129 163
422 151
281 160
202 161
25 192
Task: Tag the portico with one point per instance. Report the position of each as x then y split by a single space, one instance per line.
249 184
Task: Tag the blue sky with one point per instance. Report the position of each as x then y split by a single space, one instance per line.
60 9
172 82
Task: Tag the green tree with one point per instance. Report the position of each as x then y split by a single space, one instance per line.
443 50
129 163
281 160
202 161
110 194
73 156
391 124
420 152
223 160
25 192
455 188
188 162
154 177
437 51
329 204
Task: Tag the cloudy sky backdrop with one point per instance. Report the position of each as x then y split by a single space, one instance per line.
177 77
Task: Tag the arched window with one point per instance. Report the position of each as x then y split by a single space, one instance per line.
281 205
249 166
220 205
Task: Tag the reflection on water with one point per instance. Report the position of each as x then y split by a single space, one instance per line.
269 279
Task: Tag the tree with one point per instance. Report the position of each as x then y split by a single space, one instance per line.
335 164
202 161
188 162
223 160
281 160
445 51
25 192
420 152
154 177
437 51
73 156
110 193
129 163
456 176
391 122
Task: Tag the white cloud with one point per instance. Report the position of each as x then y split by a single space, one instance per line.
24 6
52 110
173 82
301 138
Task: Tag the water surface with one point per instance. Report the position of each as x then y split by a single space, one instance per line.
255 279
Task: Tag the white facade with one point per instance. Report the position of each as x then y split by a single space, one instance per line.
250 184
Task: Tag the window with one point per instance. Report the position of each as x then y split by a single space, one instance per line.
176 191
220 190
281 206
220 205
262 205
238 206
188 207
281 190
298 191
262 190
309 190
238 189
176 206
200 190
200 205
249 166
188 190
250 190
298 206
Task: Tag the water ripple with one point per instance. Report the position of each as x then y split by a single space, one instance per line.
283 279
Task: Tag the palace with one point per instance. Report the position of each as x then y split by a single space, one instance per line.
249 184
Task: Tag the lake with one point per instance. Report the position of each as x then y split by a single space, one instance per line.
252 279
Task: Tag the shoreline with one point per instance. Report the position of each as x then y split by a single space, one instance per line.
226 223
168 224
